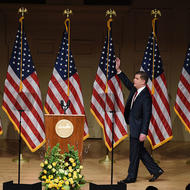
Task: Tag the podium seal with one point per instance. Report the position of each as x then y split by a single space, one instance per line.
64 128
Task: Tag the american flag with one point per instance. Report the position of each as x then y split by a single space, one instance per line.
64 84
182 104
107 97
160 129
22 92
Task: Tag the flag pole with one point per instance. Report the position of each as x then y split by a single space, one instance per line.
21 10
68 12
155 13
110 13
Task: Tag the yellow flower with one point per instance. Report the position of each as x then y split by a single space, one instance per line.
74 173
71 170
59 171
44 177
46 162
55 185
67 183
50 186
56 180
71 160
50 176
71 180
53 170
47 181
74 176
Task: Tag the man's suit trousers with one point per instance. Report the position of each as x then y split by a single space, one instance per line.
137 153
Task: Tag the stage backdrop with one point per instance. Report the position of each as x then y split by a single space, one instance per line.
44 25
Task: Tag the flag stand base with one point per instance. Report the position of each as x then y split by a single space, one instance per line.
12 186
21 159
121 186
106 160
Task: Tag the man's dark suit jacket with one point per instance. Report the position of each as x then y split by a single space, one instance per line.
138 117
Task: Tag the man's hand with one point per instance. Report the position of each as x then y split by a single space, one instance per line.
117 65
142 137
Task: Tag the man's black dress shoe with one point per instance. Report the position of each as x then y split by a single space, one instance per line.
128 180
155 176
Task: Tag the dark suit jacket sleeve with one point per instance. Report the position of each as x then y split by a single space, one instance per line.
147 113
125 80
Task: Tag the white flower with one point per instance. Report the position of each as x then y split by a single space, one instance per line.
61 171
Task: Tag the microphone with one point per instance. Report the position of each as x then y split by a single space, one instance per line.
62 103
68 103
65 106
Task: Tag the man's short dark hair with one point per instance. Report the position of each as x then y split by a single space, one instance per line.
143 75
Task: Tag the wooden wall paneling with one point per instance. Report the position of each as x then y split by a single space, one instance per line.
44 26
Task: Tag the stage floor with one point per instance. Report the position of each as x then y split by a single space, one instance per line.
172 157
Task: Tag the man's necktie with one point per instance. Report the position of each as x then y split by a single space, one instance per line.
133 99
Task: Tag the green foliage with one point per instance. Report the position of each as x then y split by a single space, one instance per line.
61 171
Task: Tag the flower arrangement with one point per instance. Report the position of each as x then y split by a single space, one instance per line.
61 171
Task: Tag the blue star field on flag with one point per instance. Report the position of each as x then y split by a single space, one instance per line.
187 61
148 56
15 61
111 62
61 64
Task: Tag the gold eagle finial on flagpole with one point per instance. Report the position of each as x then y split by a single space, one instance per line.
22 10
155 13
68 12
110 12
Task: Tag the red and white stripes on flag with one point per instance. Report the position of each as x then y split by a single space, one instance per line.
22 94
64 84
160 129
107 104
182 104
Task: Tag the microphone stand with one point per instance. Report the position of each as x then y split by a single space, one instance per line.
19 149
113 112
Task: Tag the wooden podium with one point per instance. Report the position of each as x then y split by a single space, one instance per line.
65 129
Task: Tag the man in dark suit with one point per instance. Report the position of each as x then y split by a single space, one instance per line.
138 111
